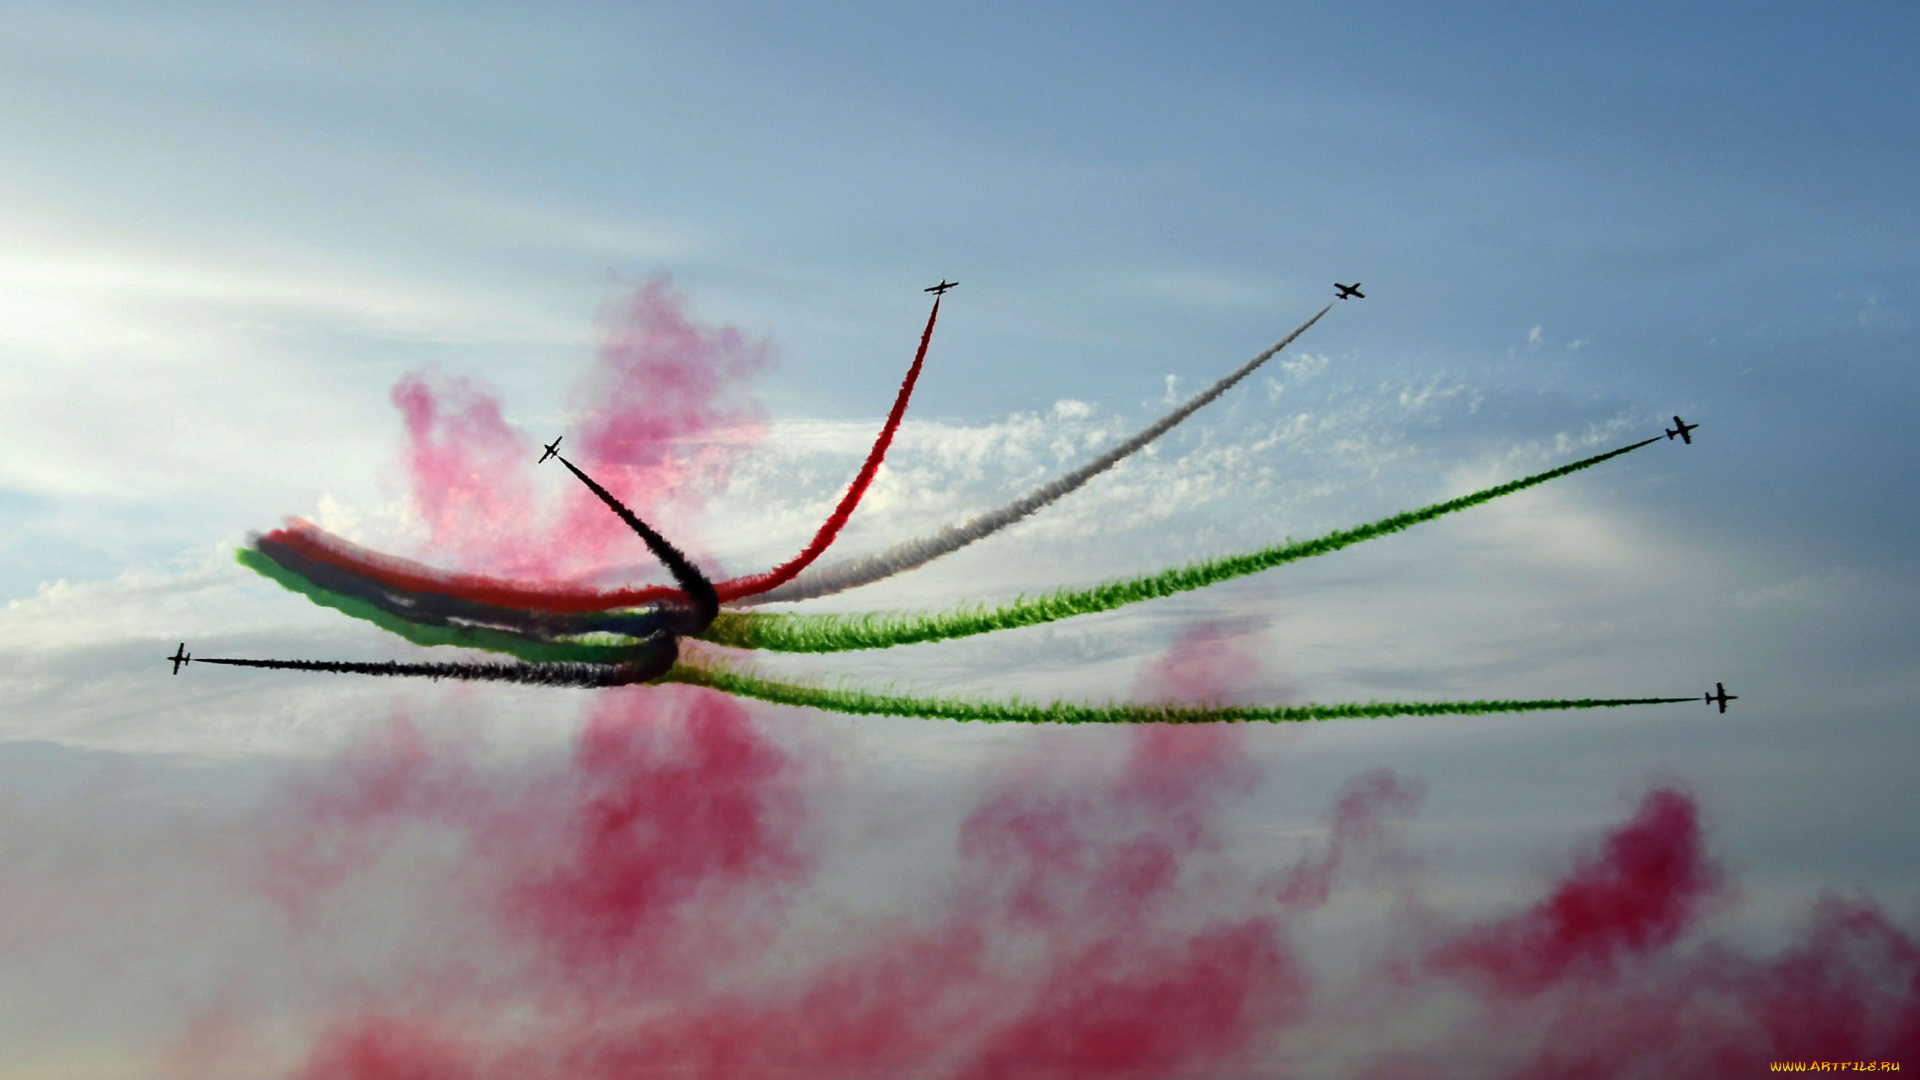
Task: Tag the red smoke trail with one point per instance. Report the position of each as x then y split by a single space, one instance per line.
780 575
657 374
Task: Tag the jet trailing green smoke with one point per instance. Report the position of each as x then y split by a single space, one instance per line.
883 630
742 682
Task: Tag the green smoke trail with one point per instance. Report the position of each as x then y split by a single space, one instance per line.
531 650
883 630
746 683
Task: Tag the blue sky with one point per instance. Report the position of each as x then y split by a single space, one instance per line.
226 231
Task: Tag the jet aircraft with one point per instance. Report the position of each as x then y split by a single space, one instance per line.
1722 697
1683 429
180 656
553 450
941 289
1350 290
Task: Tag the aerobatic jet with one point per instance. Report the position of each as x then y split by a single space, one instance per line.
180 656
1722 697
1349 290
553 450
941 289
1682 429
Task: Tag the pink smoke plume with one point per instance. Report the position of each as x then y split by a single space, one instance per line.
469 474
1632 899
662 413
666 409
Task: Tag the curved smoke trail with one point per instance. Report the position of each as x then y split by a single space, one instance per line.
906 556
746 683
405 576
741 588
649 635
877 630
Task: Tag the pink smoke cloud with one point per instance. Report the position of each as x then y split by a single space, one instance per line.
661 415
1635 897
629 893
1605 976
650 904
468 472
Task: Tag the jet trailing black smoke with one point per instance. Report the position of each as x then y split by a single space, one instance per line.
587 676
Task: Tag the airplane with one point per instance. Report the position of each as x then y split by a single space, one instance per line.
941 289
1350 290
180 656
1722 697
553 450
1684 431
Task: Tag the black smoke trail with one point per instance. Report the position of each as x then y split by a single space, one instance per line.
567 674
706 602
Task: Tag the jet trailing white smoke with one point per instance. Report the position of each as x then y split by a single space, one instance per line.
839 577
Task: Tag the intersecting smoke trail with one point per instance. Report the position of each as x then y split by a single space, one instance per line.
746 683
407 576
903 557
878 630
436 619
577 675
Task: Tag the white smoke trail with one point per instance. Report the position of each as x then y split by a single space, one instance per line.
827 580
